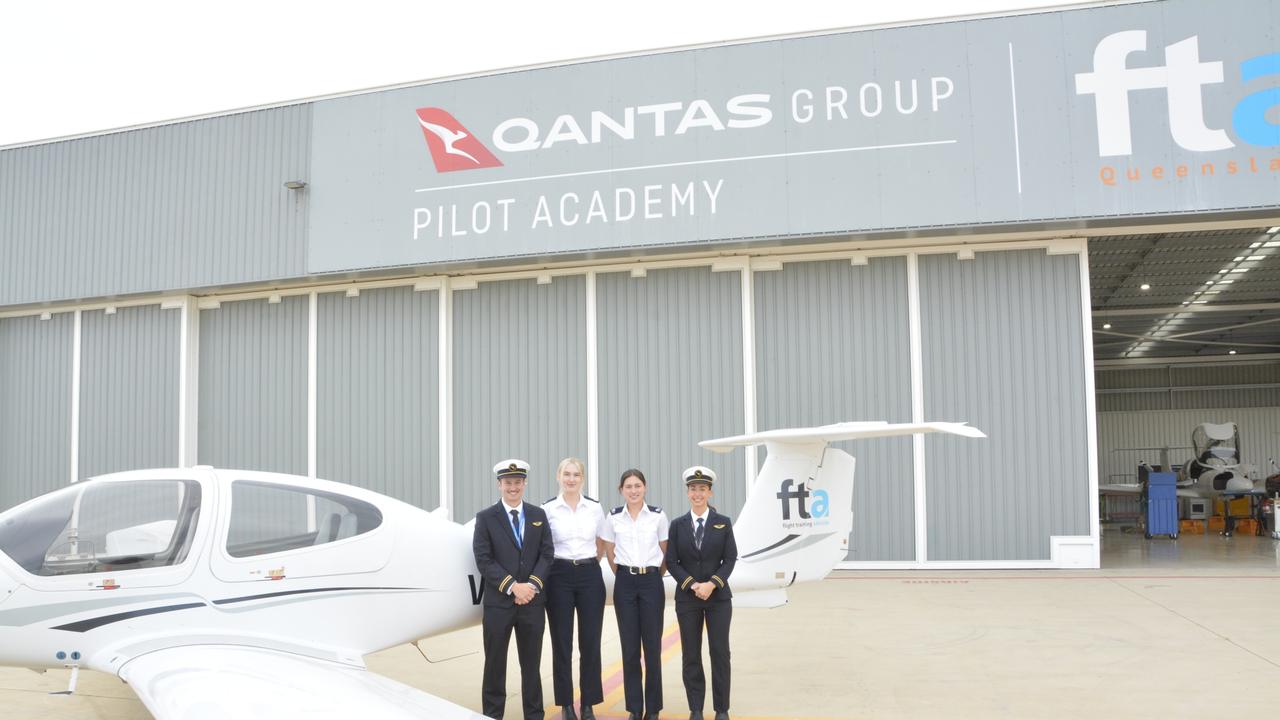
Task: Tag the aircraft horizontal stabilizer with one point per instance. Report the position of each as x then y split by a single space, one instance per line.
840 431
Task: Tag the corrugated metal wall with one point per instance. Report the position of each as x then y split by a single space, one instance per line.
670 367
1121 433
378 392
179 206
1003 350
35 406
519 384
833 344
1173 387
128 389
253 385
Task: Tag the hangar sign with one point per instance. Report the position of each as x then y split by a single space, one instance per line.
1140 109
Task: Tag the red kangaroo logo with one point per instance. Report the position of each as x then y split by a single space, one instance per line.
452 146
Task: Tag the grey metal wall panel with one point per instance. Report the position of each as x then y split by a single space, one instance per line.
35 406
253 385
1120 433
1170 387
833 344
1003 350
670 366
186 205
519 384
378 420
129 389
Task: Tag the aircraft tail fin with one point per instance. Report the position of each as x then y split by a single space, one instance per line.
796 522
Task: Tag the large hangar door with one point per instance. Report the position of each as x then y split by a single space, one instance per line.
128 389
35 406
519 384
833 344
1003 345
670 368
377 404
253 385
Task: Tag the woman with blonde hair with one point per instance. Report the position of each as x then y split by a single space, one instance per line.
575 585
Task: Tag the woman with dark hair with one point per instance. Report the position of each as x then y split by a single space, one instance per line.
576 585
635 541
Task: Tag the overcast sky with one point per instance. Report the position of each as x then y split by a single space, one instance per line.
73 67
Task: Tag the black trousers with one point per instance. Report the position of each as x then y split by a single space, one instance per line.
638 601
528 622
715 616
581 588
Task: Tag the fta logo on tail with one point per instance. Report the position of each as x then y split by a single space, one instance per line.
1182 77
452 146
790 491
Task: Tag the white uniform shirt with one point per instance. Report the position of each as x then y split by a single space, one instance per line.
574 531
635 540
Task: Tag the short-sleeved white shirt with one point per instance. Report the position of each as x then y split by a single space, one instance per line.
635 540
573 530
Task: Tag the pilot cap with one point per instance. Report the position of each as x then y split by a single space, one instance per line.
700 474
511 468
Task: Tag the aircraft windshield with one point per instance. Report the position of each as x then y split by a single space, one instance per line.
1217 451
104 527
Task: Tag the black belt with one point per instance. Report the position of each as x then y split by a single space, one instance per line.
636 570
578 561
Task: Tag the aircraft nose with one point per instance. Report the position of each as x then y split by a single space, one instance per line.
1238 483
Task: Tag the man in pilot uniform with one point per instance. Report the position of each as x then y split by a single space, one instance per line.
701 553
513 549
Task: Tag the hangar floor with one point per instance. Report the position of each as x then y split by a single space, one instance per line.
1185 629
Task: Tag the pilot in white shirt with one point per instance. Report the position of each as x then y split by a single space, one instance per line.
576 584
635 537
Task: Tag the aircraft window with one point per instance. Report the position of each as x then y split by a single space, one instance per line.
267 518
98 527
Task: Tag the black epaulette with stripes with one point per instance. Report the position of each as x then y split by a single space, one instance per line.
617 510
588 497
655 509
553 497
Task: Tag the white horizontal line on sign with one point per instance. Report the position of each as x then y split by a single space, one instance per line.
690 162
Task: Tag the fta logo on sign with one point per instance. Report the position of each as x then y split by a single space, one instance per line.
452 146
1182 77
789 492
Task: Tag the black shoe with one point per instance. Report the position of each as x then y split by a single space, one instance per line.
722 715
587 713
633 716
695 715
567 713
651 716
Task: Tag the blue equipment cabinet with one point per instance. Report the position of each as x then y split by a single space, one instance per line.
1160 501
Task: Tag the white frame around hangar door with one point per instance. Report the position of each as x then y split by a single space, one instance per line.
1071 551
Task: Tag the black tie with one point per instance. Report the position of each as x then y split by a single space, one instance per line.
697 534
515 525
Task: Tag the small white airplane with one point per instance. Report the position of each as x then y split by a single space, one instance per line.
238 594
1215 469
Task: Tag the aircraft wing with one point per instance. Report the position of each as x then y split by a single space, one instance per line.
246 683
1135 488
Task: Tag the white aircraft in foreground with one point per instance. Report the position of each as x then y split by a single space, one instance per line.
1214 470
234 594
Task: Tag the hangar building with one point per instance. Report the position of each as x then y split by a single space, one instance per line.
1060 227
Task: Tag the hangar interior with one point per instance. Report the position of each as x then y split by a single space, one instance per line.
1186 331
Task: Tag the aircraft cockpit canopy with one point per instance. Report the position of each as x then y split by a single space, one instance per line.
1216 445
94 527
